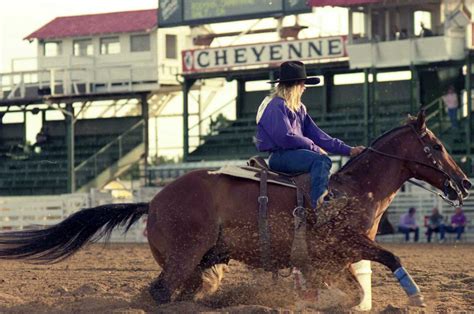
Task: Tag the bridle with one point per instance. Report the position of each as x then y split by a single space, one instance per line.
435 166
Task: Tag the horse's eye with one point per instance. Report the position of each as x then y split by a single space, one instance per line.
437 147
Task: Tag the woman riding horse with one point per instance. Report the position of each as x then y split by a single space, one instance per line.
286 130
201 220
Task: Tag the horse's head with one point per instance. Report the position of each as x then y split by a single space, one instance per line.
433 163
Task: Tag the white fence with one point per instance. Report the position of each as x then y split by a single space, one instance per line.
24 212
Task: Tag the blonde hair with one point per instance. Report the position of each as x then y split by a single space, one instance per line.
291 93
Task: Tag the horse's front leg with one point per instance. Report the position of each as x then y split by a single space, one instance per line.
369 250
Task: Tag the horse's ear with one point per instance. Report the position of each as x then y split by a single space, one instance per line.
421 121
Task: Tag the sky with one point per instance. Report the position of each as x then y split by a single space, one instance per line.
19 18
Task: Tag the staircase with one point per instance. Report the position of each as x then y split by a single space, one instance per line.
104 149
112 160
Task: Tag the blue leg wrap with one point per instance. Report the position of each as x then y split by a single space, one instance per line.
406 281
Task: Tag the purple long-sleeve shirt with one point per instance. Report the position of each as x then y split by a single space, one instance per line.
406 220
458 219
280 128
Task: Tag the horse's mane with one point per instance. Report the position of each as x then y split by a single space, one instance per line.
410 120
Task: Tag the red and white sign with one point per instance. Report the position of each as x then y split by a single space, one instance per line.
215 59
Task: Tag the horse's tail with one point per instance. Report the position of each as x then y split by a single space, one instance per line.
58 242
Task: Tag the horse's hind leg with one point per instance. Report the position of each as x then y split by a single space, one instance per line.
202 283
180 266
369 250
211 280
348 283
207 277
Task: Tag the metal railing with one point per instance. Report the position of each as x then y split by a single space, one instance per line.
110 153
14 84
435 115
206 121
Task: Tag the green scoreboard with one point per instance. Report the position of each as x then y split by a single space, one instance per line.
195 12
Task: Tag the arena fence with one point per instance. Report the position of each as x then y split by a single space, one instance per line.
423 201
26 212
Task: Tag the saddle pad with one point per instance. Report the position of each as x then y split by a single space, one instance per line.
250 173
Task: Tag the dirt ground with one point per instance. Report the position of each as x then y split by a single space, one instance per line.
116 278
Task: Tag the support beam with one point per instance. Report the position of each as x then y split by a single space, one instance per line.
24 125
350 35
69 120
415 91
327 90
373 105
187 84
271 77
366 96
145 117
468 89
240 97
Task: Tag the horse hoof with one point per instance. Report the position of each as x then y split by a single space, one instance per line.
417 300
159 292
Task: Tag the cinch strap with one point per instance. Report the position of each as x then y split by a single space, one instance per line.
406 281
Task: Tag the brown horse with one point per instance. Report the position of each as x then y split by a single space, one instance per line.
201 220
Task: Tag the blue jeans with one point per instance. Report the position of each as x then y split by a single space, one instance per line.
453 116
459 230
303 160
407 230
439 229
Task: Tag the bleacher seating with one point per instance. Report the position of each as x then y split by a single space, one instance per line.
236 140
46 172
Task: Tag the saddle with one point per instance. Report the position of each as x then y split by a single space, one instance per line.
253 171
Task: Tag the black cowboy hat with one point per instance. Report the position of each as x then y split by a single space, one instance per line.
292 71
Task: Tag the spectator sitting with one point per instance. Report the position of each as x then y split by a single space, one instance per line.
41 139
435 224
408 224
425 32
458 223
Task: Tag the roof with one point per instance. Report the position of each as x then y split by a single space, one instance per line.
340 3
97 24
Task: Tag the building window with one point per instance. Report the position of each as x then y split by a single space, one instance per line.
83 47
422 20
52 48
171 47
140 43
109 45
358 24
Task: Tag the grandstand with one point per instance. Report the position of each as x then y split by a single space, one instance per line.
99 144
96 76
368 86
372 74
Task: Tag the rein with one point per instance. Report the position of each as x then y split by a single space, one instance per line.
438 168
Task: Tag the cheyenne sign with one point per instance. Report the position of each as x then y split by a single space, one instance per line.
215 59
